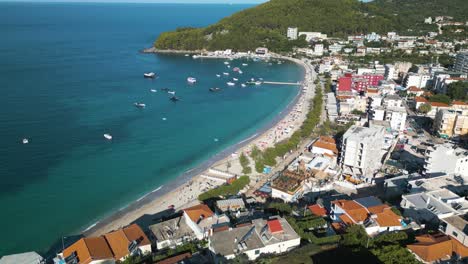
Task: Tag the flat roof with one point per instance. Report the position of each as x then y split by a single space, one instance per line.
26 258
458 222
172 229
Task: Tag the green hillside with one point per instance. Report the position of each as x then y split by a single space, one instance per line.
266 24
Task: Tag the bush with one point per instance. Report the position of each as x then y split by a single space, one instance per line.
226 190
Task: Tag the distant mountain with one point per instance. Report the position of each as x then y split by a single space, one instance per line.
266 24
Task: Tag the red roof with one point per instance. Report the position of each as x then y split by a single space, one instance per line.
318 210
414 89
344 84
274 226
420 99
459 103
438 104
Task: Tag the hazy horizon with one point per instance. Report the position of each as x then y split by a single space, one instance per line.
146 1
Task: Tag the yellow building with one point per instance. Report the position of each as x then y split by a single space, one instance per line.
449 123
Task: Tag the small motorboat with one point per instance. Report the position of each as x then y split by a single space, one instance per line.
149 75
187 55
25 141
140 105
240 72
174 98
226 73
171 92
244 85
153 90
258 83
108 136
231 83
216 89
191 80
229 66
165 89
218 75
235 79
226 62
245 64
236 69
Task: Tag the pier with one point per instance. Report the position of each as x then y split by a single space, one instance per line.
283 83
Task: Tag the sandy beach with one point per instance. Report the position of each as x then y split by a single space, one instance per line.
183 192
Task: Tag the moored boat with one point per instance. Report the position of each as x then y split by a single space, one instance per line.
218 75
171 92
174 98
235 79
236 69
191 80
153 90
226 73
243 85
149 74
25 141
108 136
231 83
140 105
216 89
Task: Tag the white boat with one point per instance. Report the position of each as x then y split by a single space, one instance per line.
171 92
240 72
245 64
229 66
152 90
244 85
258 83
226 73
149 74
186 55
140 105
191 80
25 141
108 136
231 83
196 56
218 75
226 62
235 79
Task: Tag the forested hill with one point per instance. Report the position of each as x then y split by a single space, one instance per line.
266 24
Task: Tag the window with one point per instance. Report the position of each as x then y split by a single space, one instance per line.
454 234
257 252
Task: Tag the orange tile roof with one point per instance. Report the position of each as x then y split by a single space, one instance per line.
432 247
420 99
326 143
459 103
318 210
89 249
415 89
338 227
346 219
354 210
438 104
120 239
378 208
459 248
175 259
388 218
197 211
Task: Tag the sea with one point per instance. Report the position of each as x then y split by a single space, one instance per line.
71 72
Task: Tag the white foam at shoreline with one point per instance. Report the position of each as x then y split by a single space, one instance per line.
91 226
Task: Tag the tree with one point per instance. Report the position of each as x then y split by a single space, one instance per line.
441 98
458 91
245 163
414 69
424 108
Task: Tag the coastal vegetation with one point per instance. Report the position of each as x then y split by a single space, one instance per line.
226 189
458 91
245 163
268 156
265 25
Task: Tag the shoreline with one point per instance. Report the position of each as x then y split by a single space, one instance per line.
154 202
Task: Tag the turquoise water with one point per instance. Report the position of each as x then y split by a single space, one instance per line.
70 73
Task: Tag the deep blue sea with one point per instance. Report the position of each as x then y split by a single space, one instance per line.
70 73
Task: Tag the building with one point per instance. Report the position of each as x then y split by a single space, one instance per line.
461 63
335 48
362 150
309 36
457 228
451 123
292 33
172 232
397 117
88 250
273 236
26 258
369 212
415 91
446 159
324 146
261 51
121 241
232 205
392 100
433 205
318 49
109 248
198 218
436 107
418 80
430 248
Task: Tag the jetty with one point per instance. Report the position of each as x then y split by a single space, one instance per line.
283 83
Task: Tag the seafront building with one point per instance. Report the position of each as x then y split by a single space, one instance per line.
258 237
172 232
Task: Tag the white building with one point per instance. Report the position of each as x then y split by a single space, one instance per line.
335 48
26 258
273 236
200 219
309 36
397 117
393 101
292 33
433 205
172 233
318 50
446 159
362 150
461 63
417 79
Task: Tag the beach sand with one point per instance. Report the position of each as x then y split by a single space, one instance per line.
185 195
